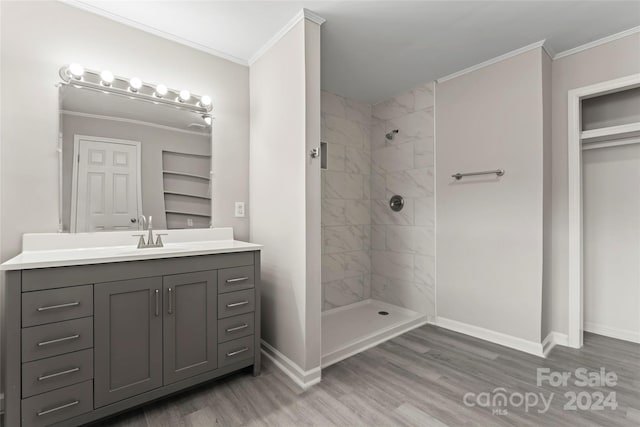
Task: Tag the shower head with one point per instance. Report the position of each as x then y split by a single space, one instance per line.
391 134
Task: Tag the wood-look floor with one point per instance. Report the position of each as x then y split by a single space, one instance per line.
417 379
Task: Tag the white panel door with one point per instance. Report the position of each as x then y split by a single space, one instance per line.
107 189
611 236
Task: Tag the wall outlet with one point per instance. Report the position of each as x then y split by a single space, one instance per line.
239 209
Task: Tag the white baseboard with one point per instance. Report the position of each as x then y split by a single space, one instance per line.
621 334
302 378
510 341
553 339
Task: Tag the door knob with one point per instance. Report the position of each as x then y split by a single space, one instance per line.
133 220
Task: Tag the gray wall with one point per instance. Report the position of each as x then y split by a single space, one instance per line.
489 234
346 216
153 141
609 61
37 39
285 192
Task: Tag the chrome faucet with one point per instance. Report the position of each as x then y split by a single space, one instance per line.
149 243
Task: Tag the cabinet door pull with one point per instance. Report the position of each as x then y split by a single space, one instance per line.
237 279
69 338
234 353
157 303
57 374
53 307
170 301
238 328
58 408
237 304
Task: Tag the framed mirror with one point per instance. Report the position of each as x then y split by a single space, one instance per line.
123 157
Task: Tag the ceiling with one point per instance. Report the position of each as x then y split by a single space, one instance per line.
372 50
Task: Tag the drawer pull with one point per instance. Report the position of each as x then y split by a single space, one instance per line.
69 338
238 328
234 353
238 279
237 304
58 408
53 307
57 374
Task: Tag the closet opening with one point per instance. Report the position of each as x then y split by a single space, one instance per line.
604 208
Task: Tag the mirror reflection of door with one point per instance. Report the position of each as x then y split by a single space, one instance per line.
106 193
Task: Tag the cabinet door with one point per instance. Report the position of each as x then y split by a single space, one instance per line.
190 324
128 338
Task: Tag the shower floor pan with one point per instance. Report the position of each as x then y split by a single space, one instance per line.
353 328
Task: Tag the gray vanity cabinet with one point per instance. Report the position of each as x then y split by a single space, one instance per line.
128 338
190 324
87 341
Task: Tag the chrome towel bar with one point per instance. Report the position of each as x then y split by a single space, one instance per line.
458 176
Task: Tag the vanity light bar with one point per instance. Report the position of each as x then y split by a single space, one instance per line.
105 81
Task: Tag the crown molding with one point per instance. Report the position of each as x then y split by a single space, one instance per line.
492 61
303 14
147 29
598 42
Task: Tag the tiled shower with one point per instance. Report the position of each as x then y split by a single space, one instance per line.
370 251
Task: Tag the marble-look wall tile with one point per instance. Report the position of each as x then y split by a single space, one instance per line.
335 157
423 96
357 111
355 263
425 269
424 212
332 105
393 265
412 127
423 153
358 212
378 237
378 186
395 107
357 161
339 239
333 212
340 185
408 239
392 158
343 131
343 292
411 183
382 214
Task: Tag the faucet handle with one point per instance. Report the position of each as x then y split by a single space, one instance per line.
159 239
141 242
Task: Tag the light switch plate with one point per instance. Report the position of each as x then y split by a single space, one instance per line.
239 209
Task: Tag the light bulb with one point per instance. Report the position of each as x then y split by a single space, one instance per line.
134 84
107 77
161 90
205 101
207 119
76 70
184 95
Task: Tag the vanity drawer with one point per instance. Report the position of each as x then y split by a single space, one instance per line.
57 405
235 351
43 341
235 303
235 279
235 327
42 307
56 372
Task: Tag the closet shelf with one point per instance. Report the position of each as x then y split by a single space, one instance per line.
177 193
187 213
612 132
192 175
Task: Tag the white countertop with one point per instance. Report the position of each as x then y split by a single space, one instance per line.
59 250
